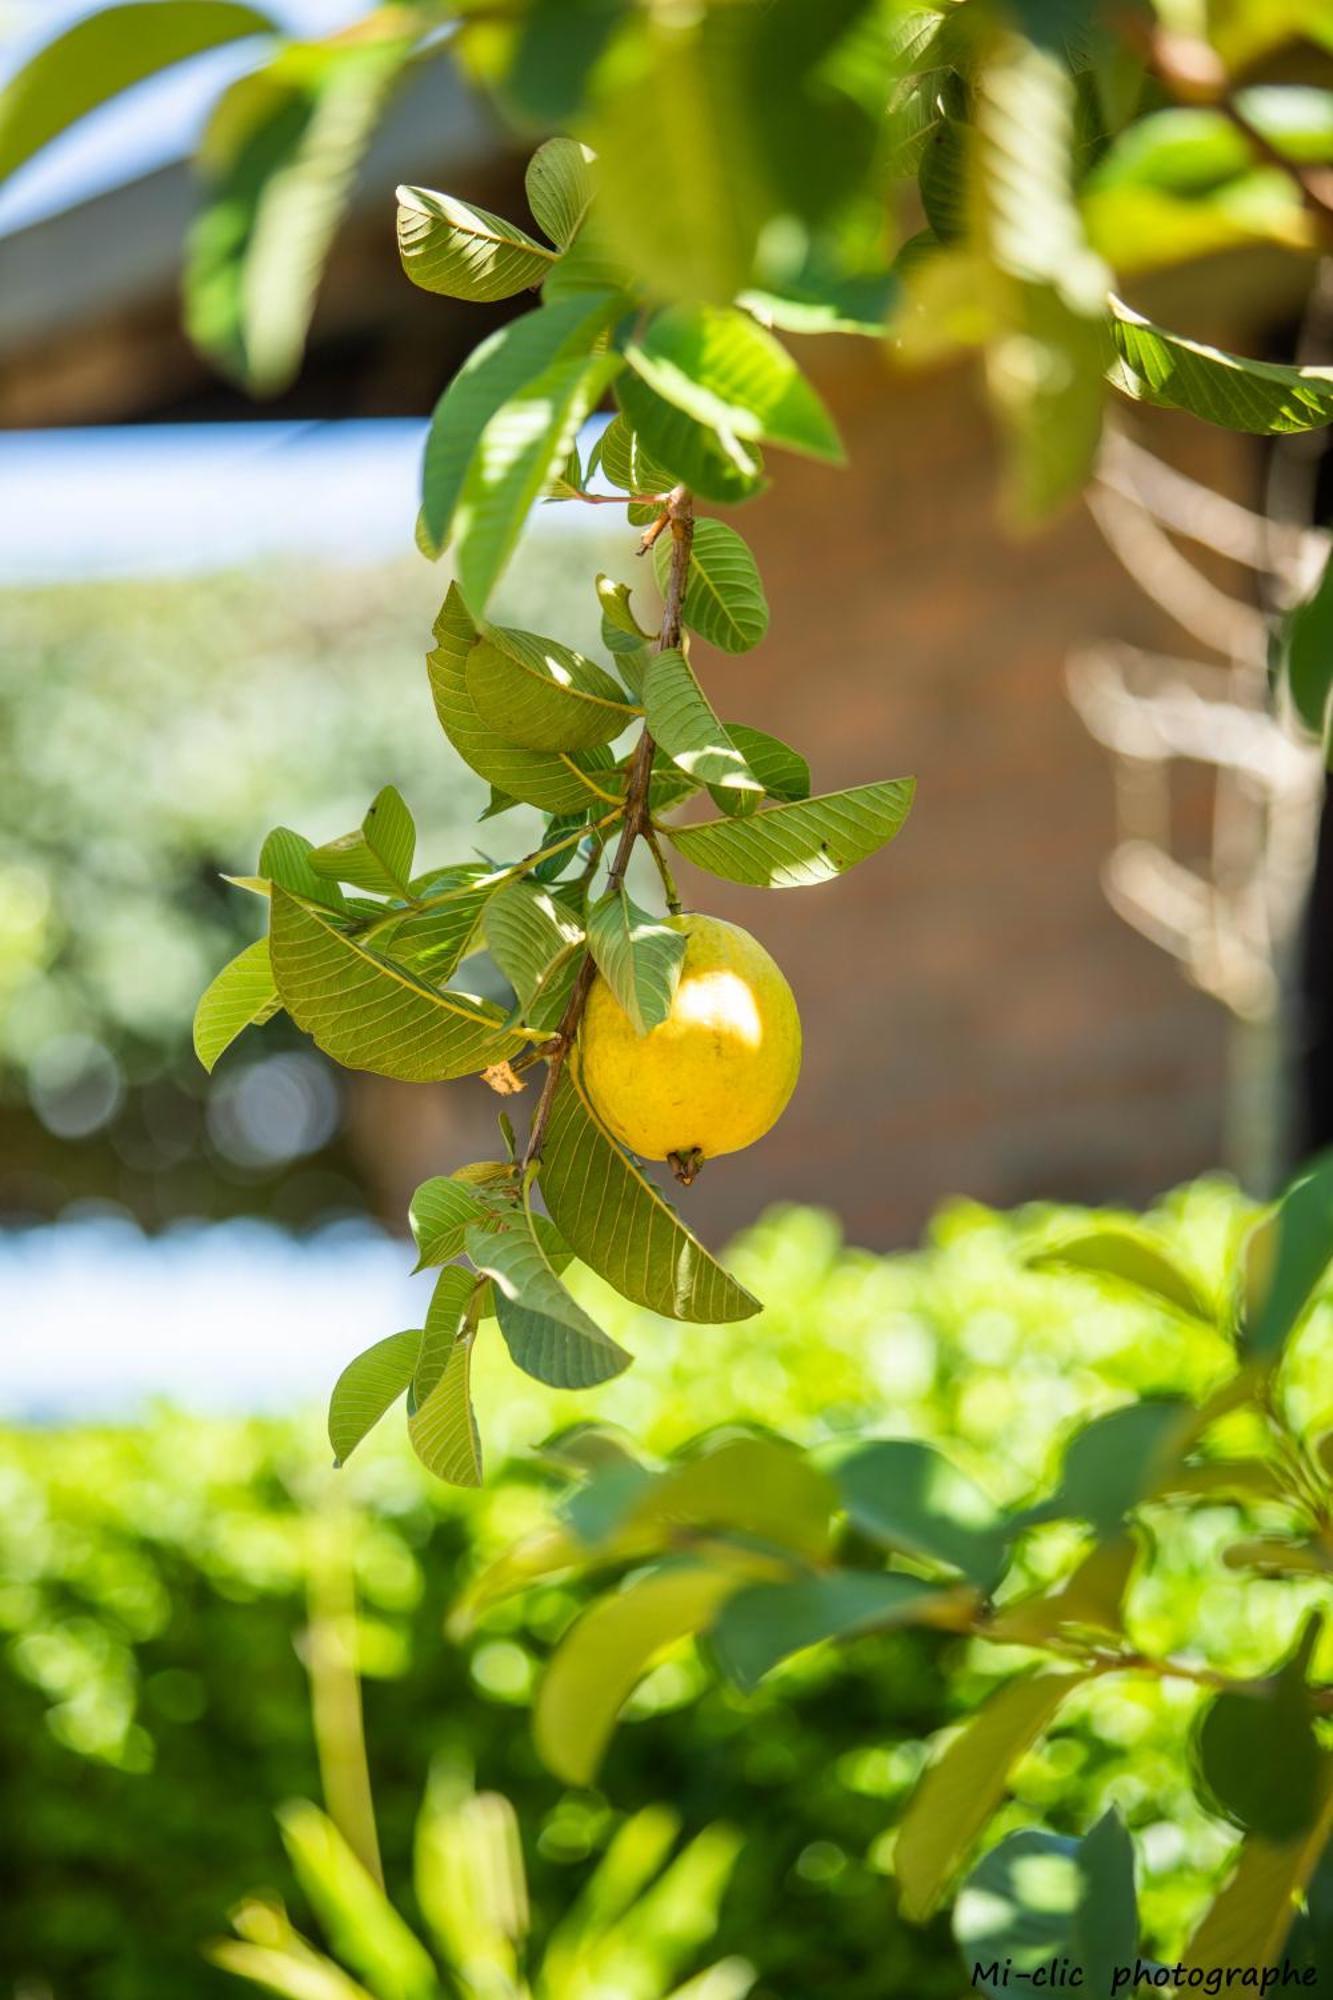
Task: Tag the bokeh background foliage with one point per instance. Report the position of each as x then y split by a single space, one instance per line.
146 729
155 1608
157 1580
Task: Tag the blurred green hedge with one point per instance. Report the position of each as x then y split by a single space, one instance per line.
224 700
153 1709
220 694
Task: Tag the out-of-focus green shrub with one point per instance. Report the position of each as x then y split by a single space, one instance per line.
641 1916
124 803
146 731
154 1705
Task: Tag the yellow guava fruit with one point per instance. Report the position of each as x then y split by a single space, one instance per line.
717 1073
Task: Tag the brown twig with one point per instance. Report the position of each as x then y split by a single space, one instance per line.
652 532
679 515
617 499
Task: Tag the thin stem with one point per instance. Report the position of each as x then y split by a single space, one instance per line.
680 515
1106 1660
669 889
522 867
1170 1670
621 499
594 862
531 861
1321 1699
610 797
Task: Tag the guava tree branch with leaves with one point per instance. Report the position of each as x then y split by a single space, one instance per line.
676 1037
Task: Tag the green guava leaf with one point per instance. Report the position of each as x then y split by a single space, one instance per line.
441 1426
638 956
442 1210
691 233
942 177
363 1928
621 630
546 1331
106 53
622 634
1039 1899
1287 1256
378 856
450 247
518 450
623 459
590 265
531 937
560 184
760 1488
280 160
1262 397
1250 1919
1119 1460
368 1013
284 860
782 771
557 781
1034 271
434 939
721 368
554 53
962 1788
618 1223
724 598
909 1497
1093 1595
499 370
1256 1753
367 1387
458 1295
1128 1255
860 305
681 721
790 846
602 1658
542 695
241 995
767 1622
713 466
1308 654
